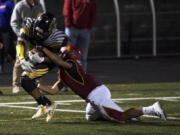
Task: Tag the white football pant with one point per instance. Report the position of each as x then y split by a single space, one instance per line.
99 99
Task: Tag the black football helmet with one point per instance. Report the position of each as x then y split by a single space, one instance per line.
43 26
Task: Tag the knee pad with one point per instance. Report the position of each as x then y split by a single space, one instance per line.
92 117
28 84
92 114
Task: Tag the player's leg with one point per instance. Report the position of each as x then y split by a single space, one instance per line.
38 71
111 111
101 98
44 104
29 83
154 109
116 115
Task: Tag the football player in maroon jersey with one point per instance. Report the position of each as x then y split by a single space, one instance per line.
97 95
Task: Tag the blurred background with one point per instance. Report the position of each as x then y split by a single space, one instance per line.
147 27
128 29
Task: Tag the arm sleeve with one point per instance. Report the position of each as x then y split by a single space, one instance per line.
20 50
22 39
68 13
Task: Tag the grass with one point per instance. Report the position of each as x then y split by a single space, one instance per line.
17 121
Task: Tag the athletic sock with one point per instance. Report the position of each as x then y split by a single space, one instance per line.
46 100
43 101
40 101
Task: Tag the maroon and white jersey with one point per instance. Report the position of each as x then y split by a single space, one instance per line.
80 82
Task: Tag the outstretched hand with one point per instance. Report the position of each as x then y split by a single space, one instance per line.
26 65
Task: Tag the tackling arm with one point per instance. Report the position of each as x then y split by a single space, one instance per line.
53 90
57 60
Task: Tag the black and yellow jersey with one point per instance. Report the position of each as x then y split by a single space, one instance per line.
55 40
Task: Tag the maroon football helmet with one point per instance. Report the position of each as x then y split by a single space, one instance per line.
70 52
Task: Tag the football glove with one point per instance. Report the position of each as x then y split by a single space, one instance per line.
29 22
35 58
26 65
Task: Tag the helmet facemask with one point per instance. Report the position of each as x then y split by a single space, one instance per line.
40 35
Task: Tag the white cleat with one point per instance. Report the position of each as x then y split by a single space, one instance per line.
51 110
158 111
41 111
15 89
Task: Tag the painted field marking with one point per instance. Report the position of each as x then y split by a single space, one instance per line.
149 98
28 103
68 102
65 102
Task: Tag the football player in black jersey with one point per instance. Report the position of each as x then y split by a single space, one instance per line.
41 31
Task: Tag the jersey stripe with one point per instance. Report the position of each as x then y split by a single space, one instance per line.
56 36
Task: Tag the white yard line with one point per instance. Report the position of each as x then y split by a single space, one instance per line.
117 99
28 103
169 118
149 98
14 106
35 108
67 102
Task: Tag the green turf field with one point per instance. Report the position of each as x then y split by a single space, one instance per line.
16 112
